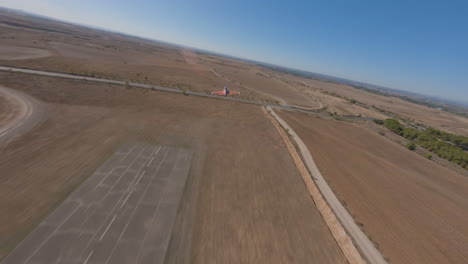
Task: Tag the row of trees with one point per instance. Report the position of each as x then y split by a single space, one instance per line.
443 144
447 137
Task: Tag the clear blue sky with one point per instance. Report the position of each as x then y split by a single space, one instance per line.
419 46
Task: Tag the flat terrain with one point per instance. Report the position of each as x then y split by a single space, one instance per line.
8 109
21 53
124 213
78 50
337 99
18 114
244 200
239 204
414 210
49 45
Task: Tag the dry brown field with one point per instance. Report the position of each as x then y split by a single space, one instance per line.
413 209
78 50
72 49
7 110
245 201
337 96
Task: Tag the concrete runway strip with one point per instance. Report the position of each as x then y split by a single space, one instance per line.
123 213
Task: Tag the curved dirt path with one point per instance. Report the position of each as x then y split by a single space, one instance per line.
20 113
364 244
22 53
313 101
281 101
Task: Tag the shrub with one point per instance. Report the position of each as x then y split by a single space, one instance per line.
378 121
410 133
411 146
393 125
428 155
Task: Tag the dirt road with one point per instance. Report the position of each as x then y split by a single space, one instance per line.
131 84
153 87
362 241
19 113
21 53
240 205
413 209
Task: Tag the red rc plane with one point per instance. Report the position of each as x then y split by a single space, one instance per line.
225 92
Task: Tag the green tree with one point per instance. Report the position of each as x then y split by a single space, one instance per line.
393 125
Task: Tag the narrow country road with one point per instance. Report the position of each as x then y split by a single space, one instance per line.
364 244
148 86
28 117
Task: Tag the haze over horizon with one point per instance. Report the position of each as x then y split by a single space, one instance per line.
418 47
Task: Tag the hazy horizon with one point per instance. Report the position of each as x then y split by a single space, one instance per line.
431 73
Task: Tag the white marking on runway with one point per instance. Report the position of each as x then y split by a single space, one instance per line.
140 177
105 231
134 209
105 177
89 256
53 233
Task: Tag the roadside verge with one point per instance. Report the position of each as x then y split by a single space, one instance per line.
332 211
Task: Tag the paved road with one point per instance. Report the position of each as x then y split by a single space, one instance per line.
360 239
28 113
123 213
152 87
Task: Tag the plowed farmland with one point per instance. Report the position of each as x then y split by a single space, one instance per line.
244 200
414 210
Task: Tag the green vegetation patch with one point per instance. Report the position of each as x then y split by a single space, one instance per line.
445 145
411 146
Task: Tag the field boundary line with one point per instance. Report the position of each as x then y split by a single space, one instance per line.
149 87
344 241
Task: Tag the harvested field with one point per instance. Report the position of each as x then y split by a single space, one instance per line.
21 53
253 78
239 203
8 109
18 114
336 97
244 200
82 51
79 50
413 209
